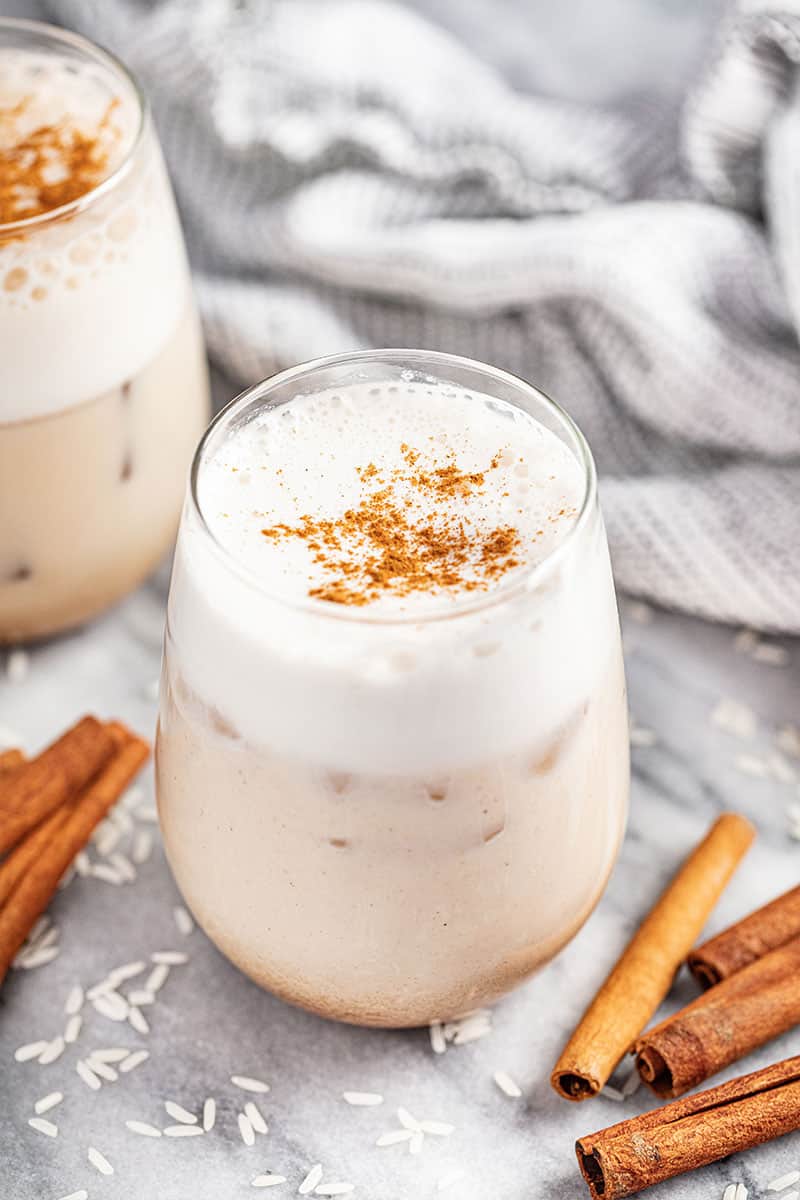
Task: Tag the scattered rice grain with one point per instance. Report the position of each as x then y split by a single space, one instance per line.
438 1043
437 1128
73 1028
47 1102
103 1069
31 959
362 1099
110 1054
170 958
143 1128
612 1093
311 1180
246 1130
266 1181
123 865
731 716
29 1050
182 1130
87 1075
784 1181
255 1117
507 1085
111 1005
209 1114
141 997
179 1113
107 874
248 1084
133 1060
142 847
99 1161
81 1194
52 1051
183 920
74 1002
394 1136
137 1020
157 978
43 1126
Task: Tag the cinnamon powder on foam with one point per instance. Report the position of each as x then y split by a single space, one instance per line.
43 168
385 547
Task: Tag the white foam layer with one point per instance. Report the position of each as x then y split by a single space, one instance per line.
427 687
85 301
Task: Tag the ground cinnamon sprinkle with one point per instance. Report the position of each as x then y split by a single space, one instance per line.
385 545
52 165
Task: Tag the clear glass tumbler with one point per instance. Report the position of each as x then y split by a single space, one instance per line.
392 820
103 381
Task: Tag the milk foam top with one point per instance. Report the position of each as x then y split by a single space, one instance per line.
444 458
484 661
89 291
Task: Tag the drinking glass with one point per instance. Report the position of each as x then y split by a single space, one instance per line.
103 382
392 819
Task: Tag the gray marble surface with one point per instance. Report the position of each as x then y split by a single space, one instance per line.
210 1022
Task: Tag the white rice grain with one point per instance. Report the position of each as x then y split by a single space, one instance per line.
73 1028
407 1121
99 1161
255 1117
87 1075
394 1136
140 998
143 1128
183 920
33 958
43 1126
82 863
74 1001
731 716
142 847
157 978
103 1069
81 1194
182 1131
266 1181
246 1130
29 1050
47 1102
741 1192
123 865
52 1051
438 1043
612 1093
248 1084
171 958
17 665
631 1083
121 818
179 1113
311 1180
362 1099
127 971
209 1114
784 1181
133 1060
137 1020
111 1054
507 1085
147 812
105 838
107 874
111 1005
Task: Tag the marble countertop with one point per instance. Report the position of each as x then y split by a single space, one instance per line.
209 1022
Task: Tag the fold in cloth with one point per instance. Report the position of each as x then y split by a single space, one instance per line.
351 175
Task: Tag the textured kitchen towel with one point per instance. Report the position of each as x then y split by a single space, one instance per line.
351 175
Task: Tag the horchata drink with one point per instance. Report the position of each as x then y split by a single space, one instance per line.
103 388
393 758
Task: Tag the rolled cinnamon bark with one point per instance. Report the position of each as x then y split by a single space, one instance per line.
33 890
643 975
756 1004
45 782
28 850
764 930
11 758
690 1133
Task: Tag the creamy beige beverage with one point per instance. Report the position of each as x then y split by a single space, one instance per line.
103 386
392 762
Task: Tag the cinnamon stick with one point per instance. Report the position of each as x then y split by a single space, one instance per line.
764 930
33 890
642 976
28 851
756 1004
41 785
691 1133
11 758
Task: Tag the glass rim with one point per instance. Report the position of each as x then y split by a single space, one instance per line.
99 54
521 581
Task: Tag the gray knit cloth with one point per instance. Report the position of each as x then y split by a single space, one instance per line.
350 175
